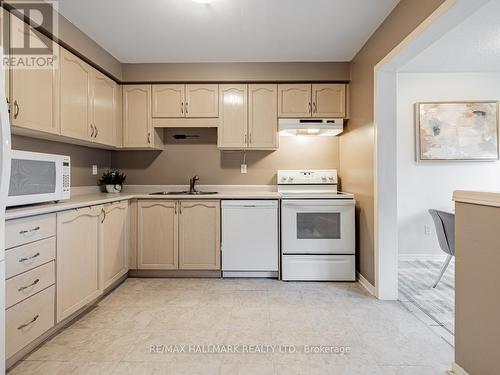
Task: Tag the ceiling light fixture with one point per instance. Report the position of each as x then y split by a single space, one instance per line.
202 1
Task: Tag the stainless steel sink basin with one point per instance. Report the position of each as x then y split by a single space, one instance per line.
184 193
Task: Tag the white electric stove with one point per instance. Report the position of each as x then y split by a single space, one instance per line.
317 227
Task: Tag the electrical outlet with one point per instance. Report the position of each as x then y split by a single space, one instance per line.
244 168
94 170
427 230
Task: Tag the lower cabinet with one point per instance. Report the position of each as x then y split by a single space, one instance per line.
113 259
199 235
157 235
178 235
78 247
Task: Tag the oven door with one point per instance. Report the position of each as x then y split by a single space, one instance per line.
323 226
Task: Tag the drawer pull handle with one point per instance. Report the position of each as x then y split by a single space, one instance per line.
29 231
29 258
35 318
28 286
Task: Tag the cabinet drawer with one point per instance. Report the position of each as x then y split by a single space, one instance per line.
28 320
24 258
29 283
22 231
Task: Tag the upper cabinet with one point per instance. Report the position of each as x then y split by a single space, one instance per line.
233 127
34 92
168 100
294 100
137 120
316 100
76 103
104 102
248 117
329 100
190 101
263 116
202 101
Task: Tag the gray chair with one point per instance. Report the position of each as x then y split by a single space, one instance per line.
445 230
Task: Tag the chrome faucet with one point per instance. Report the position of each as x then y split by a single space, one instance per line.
192 184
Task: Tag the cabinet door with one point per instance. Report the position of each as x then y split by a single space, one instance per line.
232 130
294 100
137 125
103 108
157 235
114 252
34 91
4 21
76 112
78 247
263 116
199 235
168 100
202 101
329 100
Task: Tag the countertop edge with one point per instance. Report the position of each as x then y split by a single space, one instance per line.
483 198
86 200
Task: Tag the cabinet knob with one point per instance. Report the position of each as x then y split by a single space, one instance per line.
16 109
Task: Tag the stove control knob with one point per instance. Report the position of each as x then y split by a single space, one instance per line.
290 179
283 179
323 178
330 178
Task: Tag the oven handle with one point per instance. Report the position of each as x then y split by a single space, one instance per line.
318 203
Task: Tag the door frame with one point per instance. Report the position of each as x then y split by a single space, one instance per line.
443 19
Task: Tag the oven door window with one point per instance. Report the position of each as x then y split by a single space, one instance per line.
318 225
32 177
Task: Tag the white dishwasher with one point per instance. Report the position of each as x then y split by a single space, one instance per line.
250 238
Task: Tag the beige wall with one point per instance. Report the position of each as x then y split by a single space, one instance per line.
231 72
181 160
82 158
477 284
357 144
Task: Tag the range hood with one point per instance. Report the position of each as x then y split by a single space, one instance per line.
311 126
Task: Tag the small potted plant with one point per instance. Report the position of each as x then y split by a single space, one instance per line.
113 180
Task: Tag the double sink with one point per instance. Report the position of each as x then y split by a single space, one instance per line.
192 190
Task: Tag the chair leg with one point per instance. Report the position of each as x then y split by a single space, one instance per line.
443 269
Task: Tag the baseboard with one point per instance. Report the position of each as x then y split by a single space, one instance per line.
457 370
366 284
423 257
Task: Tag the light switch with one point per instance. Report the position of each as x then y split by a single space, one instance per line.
94 170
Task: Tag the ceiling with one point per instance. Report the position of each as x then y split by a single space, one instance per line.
472 46
228 30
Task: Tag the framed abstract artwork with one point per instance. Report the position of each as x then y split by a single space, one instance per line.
457 131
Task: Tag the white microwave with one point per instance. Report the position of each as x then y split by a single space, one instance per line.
37 177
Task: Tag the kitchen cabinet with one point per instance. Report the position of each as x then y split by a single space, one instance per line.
114 235
190 101
78 246
199 235
262 116
75 94
168 100
248 118
312 100
104 99
329 100
157 226
232 132
137 120
34 99
4 20
202 100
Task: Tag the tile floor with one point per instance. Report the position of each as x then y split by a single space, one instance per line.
416 278
117 336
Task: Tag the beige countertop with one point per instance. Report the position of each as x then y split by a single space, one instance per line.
92 197
483 198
